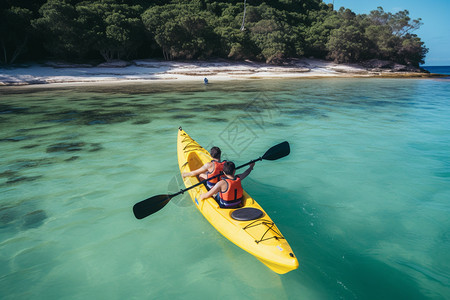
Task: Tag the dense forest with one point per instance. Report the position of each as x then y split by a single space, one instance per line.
269 31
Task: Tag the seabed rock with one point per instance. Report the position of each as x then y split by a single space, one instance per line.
378 65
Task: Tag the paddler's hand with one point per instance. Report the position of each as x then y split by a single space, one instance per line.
245 174
212 191
185 174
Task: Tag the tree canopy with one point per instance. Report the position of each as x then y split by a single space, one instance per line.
200 29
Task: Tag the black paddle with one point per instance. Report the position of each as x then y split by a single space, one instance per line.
153 204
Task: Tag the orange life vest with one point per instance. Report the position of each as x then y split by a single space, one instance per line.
234 190
218 168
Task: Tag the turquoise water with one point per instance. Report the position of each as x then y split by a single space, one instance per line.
363 198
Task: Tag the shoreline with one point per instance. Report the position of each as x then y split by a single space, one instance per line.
60 73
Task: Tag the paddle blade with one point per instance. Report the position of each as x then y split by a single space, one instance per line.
149 206
277 151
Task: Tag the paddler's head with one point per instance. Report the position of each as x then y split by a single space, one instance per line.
215 152
229 168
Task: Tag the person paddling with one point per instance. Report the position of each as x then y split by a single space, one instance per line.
210 169
229 189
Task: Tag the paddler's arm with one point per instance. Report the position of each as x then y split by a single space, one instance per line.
197 172
215 189
245 174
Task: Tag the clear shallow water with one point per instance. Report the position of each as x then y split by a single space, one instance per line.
363 199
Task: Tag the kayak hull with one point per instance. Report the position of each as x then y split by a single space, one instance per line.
260 237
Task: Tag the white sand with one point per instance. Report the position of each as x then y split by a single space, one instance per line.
179 71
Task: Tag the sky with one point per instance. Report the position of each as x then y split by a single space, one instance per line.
435 15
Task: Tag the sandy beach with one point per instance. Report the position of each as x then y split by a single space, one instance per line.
149 70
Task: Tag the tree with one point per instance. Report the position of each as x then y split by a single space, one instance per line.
318 33
181 31
58 27
114 30
15 30
346 44
233 42
274 33
268 36
412 50
390 36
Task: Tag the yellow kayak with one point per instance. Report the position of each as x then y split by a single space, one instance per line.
249 227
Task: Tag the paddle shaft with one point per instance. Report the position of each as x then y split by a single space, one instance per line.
250 162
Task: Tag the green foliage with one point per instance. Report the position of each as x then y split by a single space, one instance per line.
412 50
114 30
58 27
390 37
346 44
378 35
181 31
316 35
15 29
199 29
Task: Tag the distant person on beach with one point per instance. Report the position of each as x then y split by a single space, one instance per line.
205 80
229 189
210 169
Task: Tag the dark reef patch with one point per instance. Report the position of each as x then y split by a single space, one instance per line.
183 117
228 106
26 164
8 109
89 117
174 110
8 173
306 112
74 147
280 125
72 158
26 130
34 219
7 216
143 106
18 217
94 117
65 147
30 146
215 119
95 147
97 122
16 138
141 122
64 116
18 179
116 104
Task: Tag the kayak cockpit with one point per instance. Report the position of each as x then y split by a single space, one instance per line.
194 162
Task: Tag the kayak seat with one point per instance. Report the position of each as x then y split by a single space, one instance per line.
247 214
